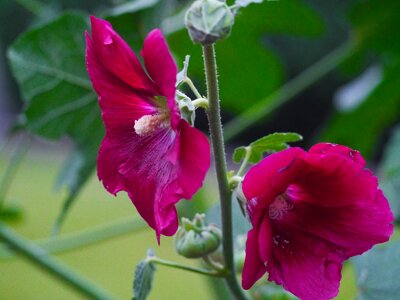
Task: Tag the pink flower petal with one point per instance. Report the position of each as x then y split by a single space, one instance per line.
275 171
353 228
322 207
160 165
159 63
328 148
120 104
117 57
194 159
253 268
335 179
306 266
162 69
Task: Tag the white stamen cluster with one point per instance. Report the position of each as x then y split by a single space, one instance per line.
148 124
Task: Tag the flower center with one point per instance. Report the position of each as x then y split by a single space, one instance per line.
149 124
279 207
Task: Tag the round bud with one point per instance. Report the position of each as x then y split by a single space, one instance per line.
209 21
195 240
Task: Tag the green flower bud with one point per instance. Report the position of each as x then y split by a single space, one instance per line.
209 21
194 239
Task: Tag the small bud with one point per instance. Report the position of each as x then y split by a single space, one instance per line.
194 239
209 21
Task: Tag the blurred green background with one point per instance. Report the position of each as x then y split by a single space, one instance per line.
328 70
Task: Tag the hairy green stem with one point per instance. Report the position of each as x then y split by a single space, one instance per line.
308 77
217 141
176 265
11 169
41 258
72 241
200 102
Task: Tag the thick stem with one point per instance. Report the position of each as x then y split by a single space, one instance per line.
308 77
40 257
214 119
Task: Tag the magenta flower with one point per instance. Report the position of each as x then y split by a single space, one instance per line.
149 151
310 212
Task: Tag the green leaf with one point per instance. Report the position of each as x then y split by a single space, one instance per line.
268 144
143 280
377 273
49 65
390 172
249 70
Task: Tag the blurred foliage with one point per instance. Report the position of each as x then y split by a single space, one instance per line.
250 70
377 273
375 27
389 174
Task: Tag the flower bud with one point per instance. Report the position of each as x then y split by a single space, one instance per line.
209 21
195 240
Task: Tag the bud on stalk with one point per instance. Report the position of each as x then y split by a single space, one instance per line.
209 21
194 239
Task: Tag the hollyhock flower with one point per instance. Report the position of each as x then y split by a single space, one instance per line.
310 211
149 151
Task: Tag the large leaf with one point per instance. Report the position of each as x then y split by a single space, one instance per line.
390 172
378 273
49 65
249 71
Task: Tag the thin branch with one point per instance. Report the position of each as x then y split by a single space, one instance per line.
287 92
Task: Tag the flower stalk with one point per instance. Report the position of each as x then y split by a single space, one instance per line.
175 265
217 141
